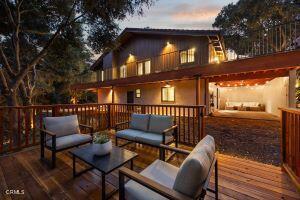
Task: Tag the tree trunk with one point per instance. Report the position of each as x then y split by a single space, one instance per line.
12 117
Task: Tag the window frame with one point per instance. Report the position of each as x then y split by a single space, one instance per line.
187 56
143 62
162 88
125 71
136 93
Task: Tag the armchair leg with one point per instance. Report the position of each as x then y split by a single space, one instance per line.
53 158
216 180
42 147
121 187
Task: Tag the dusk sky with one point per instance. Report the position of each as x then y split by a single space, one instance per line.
186 14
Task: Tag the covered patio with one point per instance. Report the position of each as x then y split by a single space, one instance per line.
238 178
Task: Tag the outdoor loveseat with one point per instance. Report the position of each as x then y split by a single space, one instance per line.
161 180
61 133
148 129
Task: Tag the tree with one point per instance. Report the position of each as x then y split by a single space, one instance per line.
239 21
30 28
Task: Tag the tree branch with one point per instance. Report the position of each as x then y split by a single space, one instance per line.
9 14
16 40
3 81
6 63
43 52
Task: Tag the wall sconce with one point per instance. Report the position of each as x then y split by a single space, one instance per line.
216 59
167 85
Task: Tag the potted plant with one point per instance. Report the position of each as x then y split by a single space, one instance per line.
102 144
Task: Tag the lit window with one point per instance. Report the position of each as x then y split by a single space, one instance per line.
183 57
191 55
123 71
144 67
102 75
138 93
140 68
147 67
168 94
187 56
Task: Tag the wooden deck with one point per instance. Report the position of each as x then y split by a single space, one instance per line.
238 178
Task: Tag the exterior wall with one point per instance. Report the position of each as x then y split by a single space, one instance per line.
104 95
292 88
163 57
185 93
276 95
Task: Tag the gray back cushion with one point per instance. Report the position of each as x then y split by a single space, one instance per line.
159 123
139 122
194 169
62 126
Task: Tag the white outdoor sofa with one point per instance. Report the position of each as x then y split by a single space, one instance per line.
148 129
161 180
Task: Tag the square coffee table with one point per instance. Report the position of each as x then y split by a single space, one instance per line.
105 164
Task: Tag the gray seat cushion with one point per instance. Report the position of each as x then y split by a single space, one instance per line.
194 169
62 126
70 140
159 171
129 134
153 138
139 122
159 123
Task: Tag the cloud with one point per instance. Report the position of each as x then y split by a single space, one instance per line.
188 12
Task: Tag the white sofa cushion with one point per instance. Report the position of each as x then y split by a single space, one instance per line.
153 138
194 169
233 104
159 123
70 140
129 134
159 171
251 104
61 126
139 122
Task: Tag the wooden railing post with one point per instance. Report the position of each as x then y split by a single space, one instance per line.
200 116
108 116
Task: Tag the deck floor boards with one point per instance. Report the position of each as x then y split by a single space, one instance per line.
238 178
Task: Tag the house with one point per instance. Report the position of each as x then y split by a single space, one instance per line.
192 67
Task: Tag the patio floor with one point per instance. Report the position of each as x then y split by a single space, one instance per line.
238 178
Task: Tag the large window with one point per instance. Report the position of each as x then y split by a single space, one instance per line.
123 71
187 56
144 67
168 94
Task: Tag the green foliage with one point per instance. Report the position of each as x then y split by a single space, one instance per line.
76 27
249 15
101 138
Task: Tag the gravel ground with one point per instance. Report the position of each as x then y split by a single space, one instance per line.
246 138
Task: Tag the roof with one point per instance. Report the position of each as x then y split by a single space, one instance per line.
129 32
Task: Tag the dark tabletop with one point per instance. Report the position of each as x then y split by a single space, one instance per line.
117 157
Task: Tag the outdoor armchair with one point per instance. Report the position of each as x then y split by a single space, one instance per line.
161 180
61 133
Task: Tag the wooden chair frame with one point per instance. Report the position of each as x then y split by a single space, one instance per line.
52 148
163 190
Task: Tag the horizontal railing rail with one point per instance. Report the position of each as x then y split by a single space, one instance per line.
290 143
269 40
19 126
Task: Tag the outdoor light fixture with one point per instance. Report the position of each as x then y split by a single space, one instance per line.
167 85
168 43
216 59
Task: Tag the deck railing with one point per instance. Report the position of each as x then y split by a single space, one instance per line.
269 40
290 143
19 126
